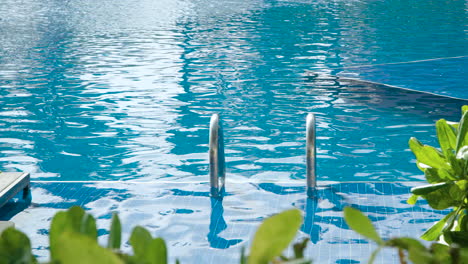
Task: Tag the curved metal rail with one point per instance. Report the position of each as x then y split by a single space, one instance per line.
217 161
310 154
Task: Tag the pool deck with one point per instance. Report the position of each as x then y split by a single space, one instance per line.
12 183
200 229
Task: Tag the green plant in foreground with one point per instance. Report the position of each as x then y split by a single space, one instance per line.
409 249
272 238
73 239
447 172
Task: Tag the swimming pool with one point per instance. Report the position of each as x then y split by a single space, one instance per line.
103 92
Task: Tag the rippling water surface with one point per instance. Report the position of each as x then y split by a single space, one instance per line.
103 91
106 90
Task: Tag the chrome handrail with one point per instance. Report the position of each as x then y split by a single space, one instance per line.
310 154
217 161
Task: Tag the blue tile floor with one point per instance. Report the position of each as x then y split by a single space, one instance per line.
200 229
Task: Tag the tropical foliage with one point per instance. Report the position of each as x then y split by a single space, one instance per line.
409 249
446 171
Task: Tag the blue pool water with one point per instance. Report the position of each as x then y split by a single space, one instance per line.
99 91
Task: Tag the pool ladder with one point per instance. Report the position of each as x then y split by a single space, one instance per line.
217 160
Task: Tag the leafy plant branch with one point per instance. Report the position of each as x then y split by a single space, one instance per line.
409 249
446 170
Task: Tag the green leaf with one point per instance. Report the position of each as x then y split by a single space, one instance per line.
127 259
76 248
58 225
15 247
299 248
115 233
426 189
463 254
457 166
462 137
156 252
88 226
74 220
413 199
361 224
437 195
464 109
405 243
435 231
458 190
447 136
463 222
438 175
374 255
454 125
458 237
243 259
441 198
140 240
417 252
432 175
440 253
419 255
273 236
146 249
428 155
75 217
446 175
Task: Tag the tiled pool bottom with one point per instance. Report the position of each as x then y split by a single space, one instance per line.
199 229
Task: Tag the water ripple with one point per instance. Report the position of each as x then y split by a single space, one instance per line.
119 91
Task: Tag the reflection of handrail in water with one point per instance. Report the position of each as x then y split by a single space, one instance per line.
216 153
310 154
218 225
